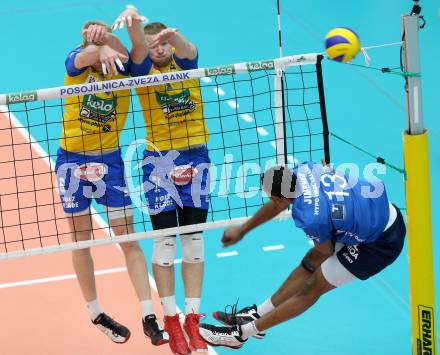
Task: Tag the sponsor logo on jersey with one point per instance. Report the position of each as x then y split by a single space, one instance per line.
91 171
183 174
99 111
69 202
177 102
346 256
337 211
425 341
91 79
163 201
353 250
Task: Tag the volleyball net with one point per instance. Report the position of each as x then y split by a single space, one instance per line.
258 114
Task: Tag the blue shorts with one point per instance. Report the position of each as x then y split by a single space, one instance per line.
368 259
82 178
176 178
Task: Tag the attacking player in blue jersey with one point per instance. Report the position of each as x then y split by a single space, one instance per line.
356 232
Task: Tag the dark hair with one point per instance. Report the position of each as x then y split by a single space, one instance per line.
154 28
279 181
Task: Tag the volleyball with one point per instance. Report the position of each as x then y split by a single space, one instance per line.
342 44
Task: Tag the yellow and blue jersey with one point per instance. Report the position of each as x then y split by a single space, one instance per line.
173 112
93 123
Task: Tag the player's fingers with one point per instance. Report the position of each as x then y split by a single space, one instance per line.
226 239
104 68
119 64
129 21
102 34
113 67
115 24
98 34
122 57
121 24
92 33
142 19
153 44
227 243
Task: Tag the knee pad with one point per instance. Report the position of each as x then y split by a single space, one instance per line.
305 263
164 251
192 248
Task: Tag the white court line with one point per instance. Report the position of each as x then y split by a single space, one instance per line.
273 247
262 131
58 278
232 103
45 156
226 254
247 117
219 91
206 80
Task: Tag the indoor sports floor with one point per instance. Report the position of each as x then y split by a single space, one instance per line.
41 308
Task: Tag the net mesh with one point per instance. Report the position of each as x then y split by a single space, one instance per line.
246 134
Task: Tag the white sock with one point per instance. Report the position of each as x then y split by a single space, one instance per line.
192 305
248 330
168 305
94 309
147 308
265 307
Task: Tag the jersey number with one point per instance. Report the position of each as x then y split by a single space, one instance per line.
328 179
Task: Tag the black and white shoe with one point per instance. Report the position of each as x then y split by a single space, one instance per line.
229 337
115 331
152 330
243 316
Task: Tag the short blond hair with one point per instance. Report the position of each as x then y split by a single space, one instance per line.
154 28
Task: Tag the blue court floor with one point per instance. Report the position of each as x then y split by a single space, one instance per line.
364 106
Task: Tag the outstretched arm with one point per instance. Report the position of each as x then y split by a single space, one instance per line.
269 210
183 48
109 58
131 17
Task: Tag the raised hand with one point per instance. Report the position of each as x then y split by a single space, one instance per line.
127 17
94 34
163 36
109 59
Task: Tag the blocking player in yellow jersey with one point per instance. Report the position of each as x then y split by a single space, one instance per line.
175 167
89 166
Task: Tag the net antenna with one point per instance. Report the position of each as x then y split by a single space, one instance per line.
281 143
280 113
